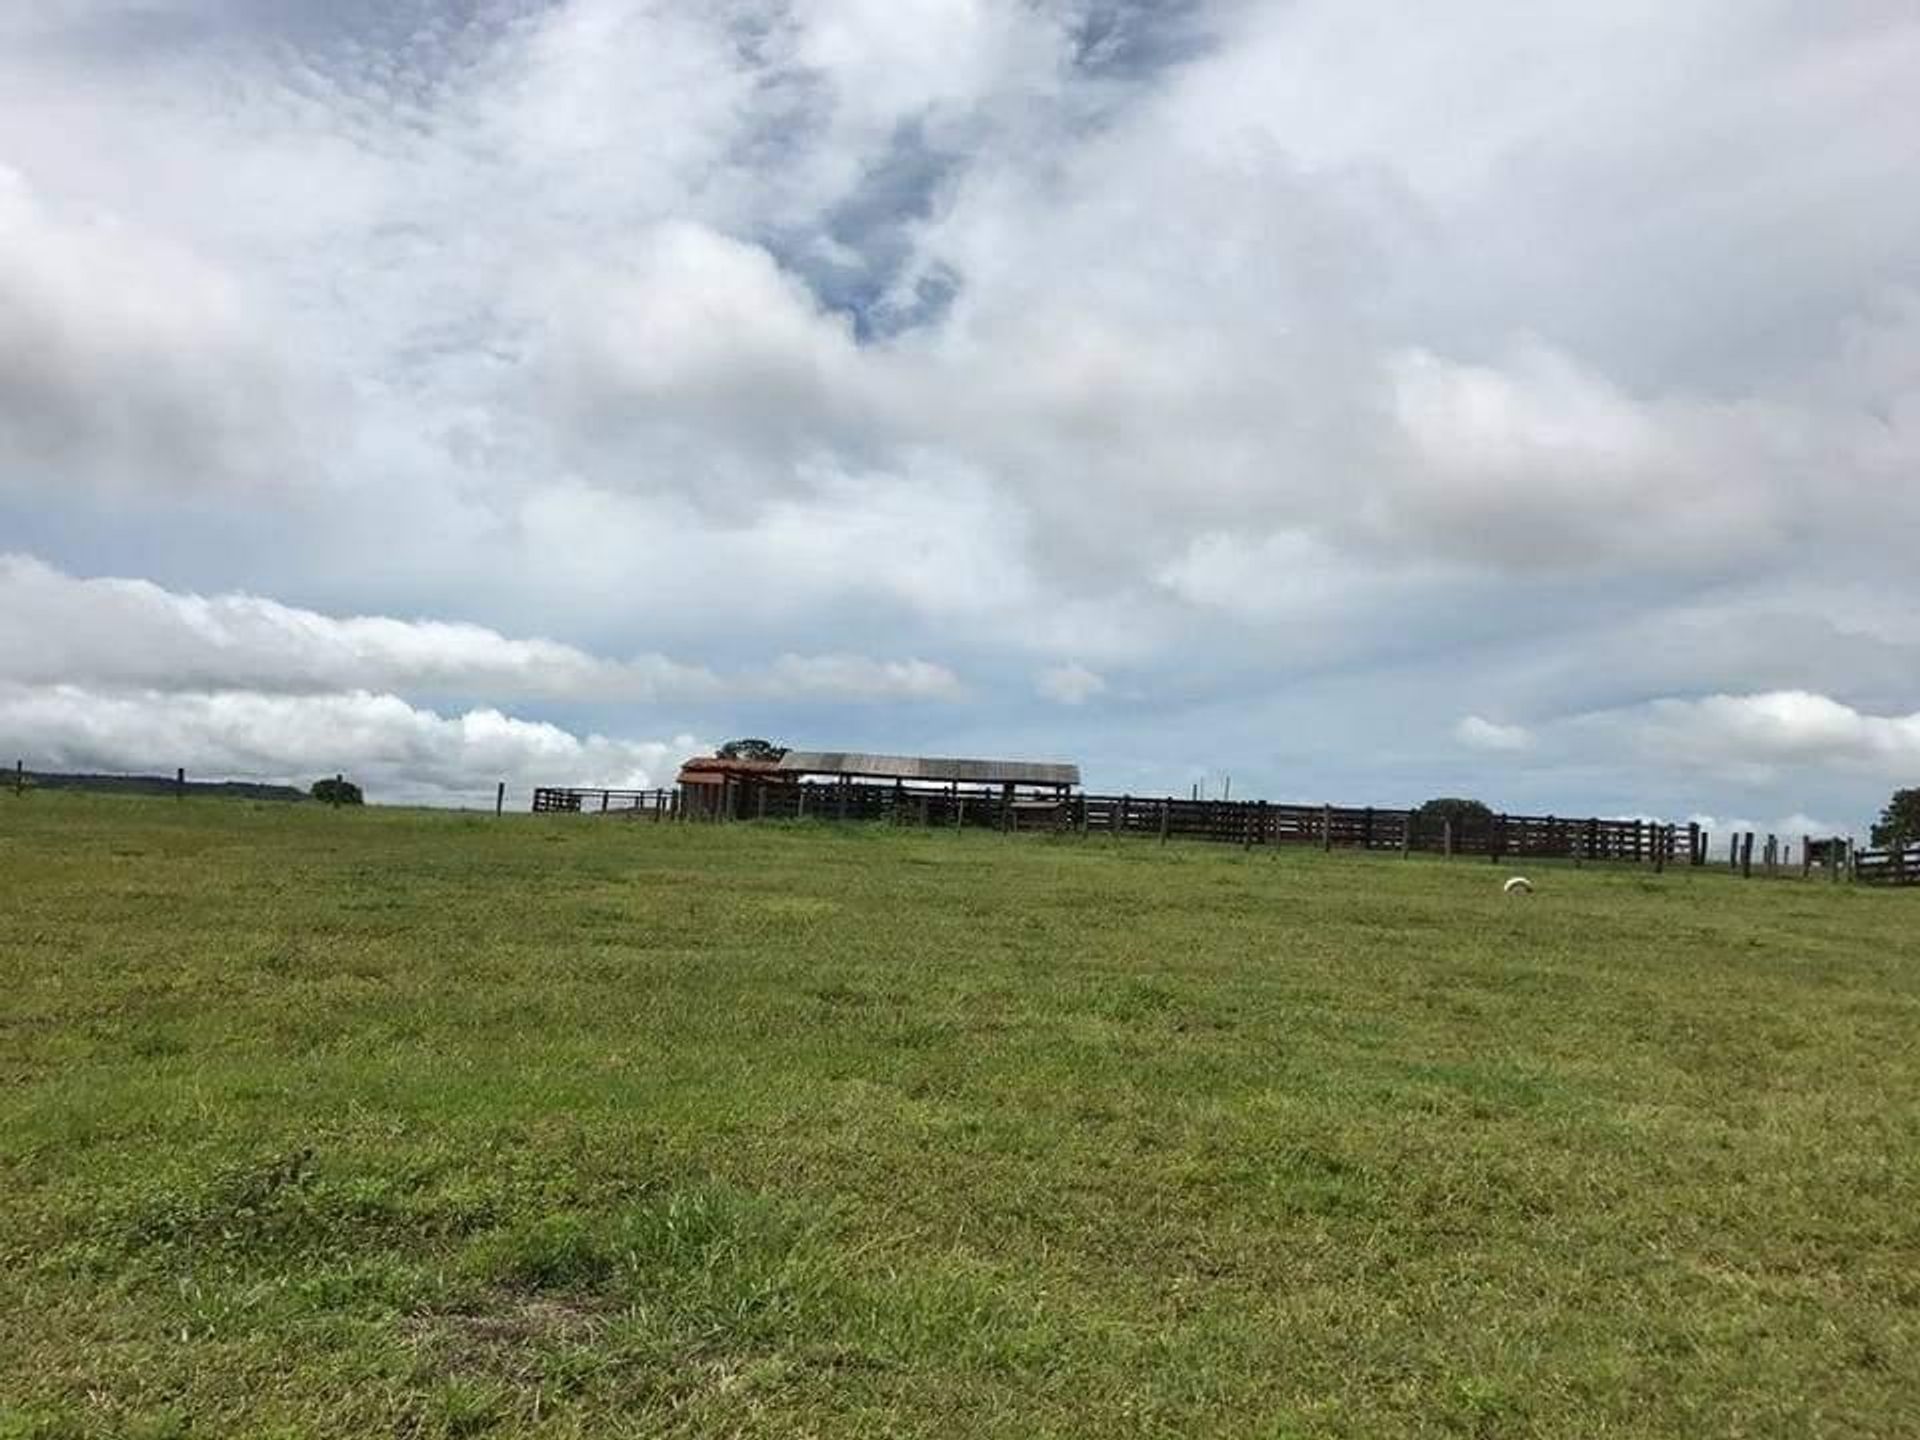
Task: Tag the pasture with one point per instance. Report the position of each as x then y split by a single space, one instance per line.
360 1123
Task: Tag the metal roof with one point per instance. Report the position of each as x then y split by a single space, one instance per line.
715 765
922 767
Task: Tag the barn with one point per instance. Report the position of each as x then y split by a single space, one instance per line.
935 789
1014 779
710 786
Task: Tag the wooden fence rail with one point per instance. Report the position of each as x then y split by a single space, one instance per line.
1247 823
1897 865
552 800
1242 822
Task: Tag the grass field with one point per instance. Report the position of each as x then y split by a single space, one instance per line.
341 1123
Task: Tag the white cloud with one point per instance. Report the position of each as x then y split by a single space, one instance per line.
399 752
659 349
56 628
1780 729
1034 333
1069 684
125 355
1538 462
855 677
1480 734
1287 576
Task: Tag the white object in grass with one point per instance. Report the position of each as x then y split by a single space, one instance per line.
1518 885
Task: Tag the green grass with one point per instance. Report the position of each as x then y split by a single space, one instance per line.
334 1123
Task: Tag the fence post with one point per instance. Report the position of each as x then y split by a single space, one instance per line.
1406 834
1746 856
1326 828
1166 818
499 799
19 777
1660 835
180 783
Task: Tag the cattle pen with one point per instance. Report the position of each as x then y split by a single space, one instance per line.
1044 801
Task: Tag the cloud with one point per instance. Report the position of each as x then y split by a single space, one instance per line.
785 353
1069 684
125 355
655 351
55 628
857 677
1538 462
399 752
1780 729
1479 734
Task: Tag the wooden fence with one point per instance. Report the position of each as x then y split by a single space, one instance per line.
1246 823
661 804
1243 822
1897 865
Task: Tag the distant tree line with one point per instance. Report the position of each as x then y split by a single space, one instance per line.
149 785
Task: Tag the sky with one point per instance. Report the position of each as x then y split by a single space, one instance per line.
1362 401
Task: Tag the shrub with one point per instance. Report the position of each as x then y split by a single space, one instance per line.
1899 823
337 791
1467 815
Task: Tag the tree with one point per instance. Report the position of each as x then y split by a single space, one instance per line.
1466 815
751 749
1899 823
337 791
